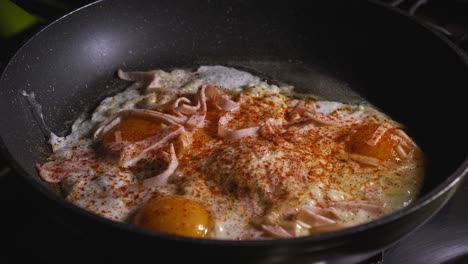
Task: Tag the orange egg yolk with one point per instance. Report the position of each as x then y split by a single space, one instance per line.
132 130
383 150
175 215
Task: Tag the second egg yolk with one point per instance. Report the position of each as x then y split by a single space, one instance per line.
132 130
175 215
383 150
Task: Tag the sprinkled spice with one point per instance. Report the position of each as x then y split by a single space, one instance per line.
246 162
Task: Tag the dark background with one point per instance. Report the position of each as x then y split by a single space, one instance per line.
28 232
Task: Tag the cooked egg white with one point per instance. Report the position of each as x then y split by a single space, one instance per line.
302 172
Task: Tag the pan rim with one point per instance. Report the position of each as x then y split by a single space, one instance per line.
450 182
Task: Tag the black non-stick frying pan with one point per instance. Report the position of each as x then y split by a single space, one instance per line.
339 49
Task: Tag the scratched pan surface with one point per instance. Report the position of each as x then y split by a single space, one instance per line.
338 49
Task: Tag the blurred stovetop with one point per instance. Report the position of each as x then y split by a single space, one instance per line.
444 239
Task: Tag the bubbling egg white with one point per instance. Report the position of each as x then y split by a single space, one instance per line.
247 159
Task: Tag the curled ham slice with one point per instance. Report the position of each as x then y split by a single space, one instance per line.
233 134
205 93
56 171
400 141
365 159
62 167
174 106
401 152
187 109
133 153
227 104
197 120
150 78
106 127
48 172
220 99
276 231
162 178
405 137
314 216
182 106
379 132
208 93
149 183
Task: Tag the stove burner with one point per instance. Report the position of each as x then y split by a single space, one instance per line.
446 17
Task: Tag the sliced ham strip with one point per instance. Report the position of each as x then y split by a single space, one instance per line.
365 159
174 106
197 120
305 128
182 106
230 134
133 153
369 160
405 136
56 170
209 93
276 231
162 178
187 109
292 102
150 78
379 132
220 99
300 107
400 141
300 126
233 134
118 136
155 181
225 103
106 127
155 115
401 152
113 149
326 228
314 216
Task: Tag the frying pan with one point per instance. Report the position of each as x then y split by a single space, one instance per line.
341 50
